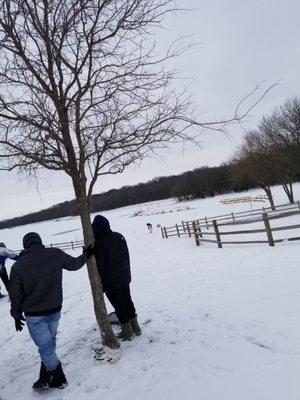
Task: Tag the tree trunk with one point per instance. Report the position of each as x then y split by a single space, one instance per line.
288 188
268 192
108 337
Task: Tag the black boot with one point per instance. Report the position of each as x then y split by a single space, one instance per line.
58 380
43 382
126 333
135 326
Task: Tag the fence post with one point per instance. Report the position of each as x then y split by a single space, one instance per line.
217 233
199 230
196 234
162 233
182 222
189 229
194 227
72 245
268 229
178 233
206 222
232 214
166 233
299 204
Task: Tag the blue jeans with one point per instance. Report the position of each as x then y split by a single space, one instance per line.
43 331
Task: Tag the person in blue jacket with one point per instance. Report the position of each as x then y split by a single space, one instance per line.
4 254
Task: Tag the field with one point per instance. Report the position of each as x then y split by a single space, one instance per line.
217 323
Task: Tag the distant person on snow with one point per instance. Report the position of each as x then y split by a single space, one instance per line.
113 264
36 291
150 228
4 255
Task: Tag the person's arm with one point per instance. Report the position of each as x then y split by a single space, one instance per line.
16 294
73 263
8 253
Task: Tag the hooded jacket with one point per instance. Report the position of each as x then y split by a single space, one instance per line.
4 254
112 256
36 280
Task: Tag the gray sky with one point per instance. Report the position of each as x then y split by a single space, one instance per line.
241 43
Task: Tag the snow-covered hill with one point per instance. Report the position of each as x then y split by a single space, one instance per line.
225 323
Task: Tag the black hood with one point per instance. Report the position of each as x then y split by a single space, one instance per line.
31 238
101 226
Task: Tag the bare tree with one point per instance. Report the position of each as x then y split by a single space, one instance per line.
82 90
282 132
255 161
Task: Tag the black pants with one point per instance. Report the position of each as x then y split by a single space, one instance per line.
121 300
4 277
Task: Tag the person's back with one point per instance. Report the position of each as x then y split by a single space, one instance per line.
40 271
113 261
36 291
113 264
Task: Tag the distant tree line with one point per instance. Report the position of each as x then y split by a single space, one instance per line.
199 183
269 155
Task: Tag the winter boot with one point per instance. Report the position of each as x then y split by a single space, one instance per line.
135 326
126 333
43 382
59 380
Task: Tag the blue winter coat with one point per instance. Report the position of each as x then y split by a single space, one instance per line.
5 254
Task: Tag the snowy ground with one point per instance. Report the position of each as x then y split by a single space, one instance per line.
225 323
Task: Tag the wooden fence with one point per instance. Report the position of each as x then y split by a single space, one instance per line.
213 227
267 230
73 245
243 216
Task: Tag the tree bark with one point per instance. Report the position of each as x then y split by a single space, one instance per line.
268 192
288 188
107 335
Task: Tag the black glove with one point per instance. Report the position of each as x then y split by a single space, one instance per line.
19 324
88 251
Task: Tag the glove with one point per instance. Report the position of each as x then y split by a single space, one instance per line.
19 324
88 251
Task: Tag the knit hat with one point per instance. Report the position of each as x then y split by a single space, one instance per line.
31 238
101 225
2 244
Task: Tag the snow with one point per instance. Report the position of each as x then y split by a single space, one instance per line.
224 322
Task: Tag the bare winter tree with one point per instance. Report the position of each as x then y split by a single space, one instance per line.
282 132
83 90
254 161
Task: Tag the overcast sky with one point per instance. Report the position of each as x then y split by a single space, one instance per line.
241 43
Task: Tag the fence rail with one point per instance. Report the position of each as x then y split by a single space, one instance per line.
73 245
240 217
213 226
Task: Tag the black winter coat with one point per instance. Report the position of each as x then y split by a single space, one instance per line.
113 262
36 280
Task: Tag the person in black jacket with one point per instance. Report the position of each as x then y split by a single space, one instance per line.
36 290
113 264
